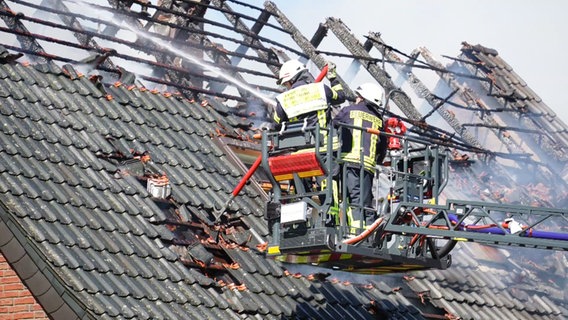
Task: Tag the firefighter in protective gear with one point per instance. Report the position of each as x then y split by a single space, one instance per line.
361 151
307 101
304 99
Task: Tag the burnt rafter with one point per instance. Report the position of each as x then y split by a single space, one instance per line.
156 80
437 135
176 10
308 48
7 57
36 55
412 63
226 10
247 33
12 20
469 96
135 19
85 37
319 35
165 58
553 146
86 43
383 78
150 21
437 104
250 36
231 15
106 67
219 57
488 111
79 35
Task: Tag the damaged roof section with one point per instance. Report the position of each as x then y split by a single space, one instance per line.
539 124
76 184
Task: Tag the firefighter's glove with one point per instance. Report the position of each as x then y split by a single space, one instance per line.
331 71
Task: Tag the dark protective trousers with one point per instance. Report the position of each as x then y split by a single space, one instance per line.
359 190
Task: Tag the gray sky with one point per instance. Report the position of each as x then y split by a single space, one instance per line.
527 34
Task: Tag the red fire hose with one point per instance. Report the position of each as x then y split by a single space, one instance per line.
322 74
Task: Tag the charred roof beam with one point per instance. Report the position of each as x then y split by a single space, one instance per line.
304 44
115 28
262 52
383 78
196 19
164 58
254 43
108 37
260 22
319 35
434 107
66 43
219 57
506 128
550 145
511 145
83 39
12 20
105 52
420 89
237 14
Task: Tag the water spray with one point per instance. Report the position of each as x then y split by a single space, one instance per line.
167 46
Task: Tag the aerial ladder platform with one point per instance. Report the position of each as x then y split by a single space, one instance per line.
412 230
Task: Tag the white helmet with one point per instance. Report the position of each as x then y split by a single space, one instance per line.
289 70
371 92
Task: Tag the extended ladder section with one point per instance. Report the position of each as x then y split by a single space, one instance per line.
489 223
459 220
309 217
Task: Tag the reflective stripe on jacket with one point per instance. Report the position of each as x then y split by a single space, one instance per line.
356 143
310 103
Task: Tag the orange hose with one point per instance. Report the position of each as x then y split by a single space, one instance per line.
485 226
365 233
413 240
439 227
373 131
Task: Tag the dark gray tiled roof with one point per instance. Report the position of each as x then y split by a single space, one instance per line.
486 291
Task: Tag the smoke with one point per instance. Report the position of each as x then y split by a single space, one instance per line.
258 112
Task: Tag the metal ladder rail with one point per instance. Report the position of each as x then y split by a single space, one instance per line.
293 138
483 222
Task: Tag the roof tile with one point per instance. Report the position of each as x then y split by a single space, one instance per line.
11 70
3 73
28 75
